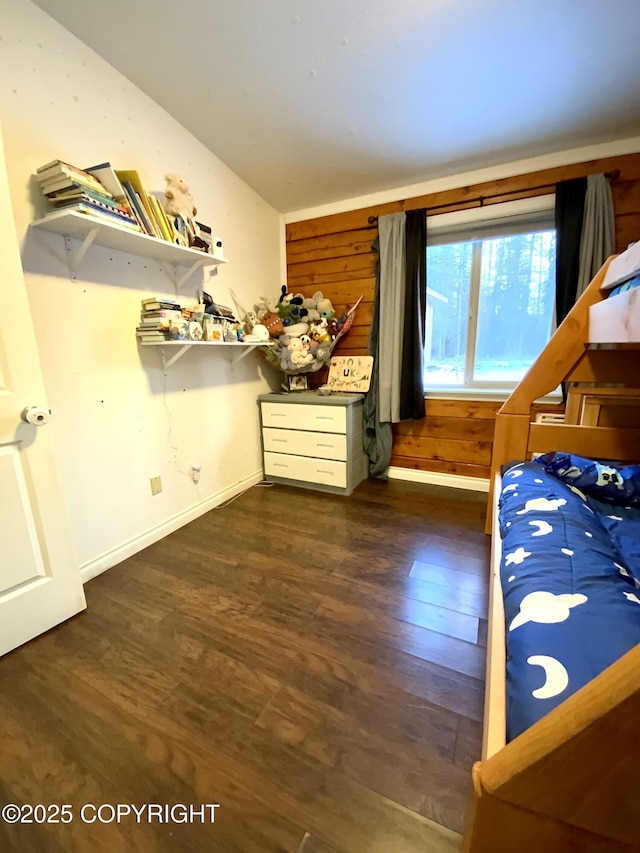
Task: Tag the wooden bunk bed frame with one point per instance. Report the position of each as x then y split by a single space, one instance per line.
570 782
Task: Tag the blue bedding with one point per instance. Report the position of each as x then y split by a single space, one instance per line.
572 606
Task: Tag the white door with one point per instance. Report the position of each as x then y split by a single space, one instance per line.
39 578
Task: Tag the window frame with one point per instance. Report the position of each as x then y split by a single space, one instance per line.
524 216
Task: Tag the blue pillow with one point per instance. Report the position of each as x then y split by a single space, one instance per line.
618 484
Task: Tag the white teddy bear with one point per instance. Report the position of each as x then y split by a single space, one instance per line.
299 352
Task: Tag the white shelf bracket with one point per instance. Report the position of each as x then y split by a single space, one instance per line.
244 352
75 258
195 266
168 362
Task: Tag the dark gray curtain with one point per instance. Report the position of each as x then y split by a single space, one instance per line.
415 307
569 213
377 438
598 240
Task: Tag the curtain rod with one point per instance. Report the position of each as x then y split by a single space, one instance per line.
480 200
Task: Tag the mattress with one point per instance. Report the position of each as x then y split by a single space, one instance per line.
571 607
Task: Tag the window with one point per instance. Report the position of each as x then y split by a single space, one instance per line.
490 294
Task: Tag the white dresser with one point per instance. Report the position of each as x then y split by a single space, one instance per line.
313 441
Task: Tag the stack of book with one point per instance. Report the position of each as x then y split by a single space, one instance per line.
69 188
160 320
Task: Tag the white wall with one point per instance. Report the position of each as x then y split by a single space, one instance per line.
616 148
116 420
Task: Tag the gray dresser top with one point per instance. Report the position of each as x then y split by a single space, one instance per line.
312 398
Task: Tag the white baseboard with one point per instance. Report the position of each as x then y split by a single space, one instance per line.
453 481
127 549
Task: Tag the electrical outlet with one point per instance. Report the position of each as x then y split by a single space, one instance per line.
195 472
156 485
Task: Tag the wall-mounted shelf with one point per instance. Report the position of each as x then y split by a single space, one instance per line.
181 347
90 230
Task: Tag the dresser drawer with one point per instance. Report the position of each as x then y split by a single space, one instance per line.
301 416
323 445
325 471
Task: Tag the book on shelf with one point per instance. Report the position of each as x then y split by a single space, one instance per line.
103 206
162 314
133 178
138 207
161 219
154 330
52 188
159 325
160 322
57 171
92 211
158 219
99 207
75 193
154 303
106 174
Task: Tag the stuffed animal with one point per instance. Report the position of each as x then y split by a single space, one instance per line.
332 329
319 333
299 352
250 320
267 303
273 323
290 307
259 332
179 201
297 329
284 312
313 315
324 306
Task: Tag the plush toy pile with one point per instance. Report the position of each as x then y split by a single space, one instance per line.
305 330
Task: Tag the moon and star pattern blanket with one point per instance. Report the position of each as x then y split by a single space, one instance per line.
572 606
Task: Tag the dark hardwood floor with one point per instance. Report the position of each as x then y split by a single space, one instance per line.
315 664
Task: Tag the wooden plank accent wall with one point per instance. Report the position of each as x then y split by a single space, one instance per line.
333 254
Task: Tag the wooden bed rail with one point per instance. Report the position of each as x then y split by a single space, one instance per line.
565 358
570 782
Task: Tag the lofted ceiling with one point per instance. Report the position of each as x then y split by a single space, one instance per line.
313 101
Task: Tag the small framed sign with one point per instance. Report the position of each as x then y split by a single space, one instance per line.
298 382
350 373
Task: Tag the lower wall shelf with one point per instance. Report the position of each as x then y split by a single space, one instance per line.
181 347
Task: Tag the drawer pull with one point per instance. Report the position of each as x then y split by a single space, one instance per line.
279 465
320 444
278 415
321 471
324 417
279 441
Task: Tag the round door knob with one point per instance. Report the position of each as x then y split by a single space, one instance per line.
35 415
